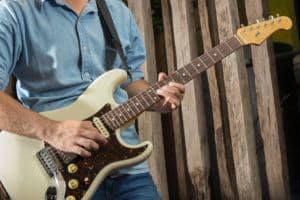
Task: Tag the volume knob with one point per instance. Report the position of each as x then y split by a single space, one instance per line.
70 198
73 184
72 168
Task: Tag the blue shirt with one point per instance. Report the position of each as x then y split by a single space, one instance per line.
56 54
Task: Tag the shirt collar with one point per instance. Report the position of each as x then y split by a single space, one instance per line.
90 7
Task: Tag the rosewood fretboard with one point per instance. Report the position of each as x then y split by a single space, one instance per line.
124 113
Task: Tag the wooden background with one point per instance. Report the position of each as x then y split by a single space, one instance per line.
226 140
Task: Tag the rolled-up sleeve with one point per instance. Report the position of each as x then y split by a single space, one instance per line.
10 45
136 54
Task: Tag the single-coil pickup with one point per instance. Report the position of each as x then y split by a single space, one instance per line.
100 126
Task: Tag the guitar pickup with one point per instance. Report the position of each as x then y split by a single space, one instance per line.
100 126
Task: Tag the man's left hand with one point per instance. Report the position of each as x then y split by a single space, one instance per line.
172 94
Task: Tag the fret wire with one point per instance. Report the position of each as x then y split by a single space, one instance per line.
211 57
218 49
123 113
136 104
199 58
145 100
194 71
195 66
178 75
139 102
205 57
128 110
136 110
108 120
114 119
120 115
150 96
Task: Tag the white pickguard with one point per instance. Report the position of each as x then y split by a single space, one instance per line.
21 173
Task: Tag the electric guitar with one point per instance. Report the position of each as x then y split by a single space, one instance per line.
31 170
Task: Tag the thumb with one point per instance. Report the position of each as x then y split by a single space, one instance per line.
162 76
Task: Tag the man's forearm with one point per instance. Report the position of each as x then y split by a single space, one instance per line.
17 119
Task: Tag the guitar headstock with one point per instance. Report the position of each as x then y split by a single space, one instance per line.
257 33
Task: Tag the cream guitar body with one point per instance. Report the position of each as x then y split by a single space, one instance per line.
22 173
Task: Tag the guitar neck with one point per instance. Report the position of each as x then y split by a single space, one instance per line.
136 105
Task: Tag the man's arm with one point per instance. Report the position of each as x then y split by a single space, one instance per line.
70 136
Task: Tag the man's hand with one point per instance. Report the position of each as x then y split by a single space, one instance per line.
79 137
172 94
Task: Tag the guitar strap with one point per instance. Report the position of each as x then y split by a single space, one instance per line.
111 33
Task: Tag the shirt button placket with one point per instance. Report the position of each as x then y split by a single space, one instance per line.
86 70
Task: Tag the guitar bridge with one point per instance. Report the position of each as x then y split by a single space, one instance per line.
48 161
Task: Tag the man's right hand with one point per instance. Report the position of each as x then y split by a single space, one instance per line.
79 137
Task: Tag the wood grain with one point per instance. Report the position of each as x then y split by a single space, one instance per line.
269 111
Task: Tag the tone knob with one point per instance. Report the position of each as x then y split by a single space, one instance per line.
70 198
73 184
72 168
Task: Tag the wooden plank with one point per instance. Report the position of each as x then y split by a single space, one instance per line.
227 188
269 111
238 106
150 123
192 106
176 115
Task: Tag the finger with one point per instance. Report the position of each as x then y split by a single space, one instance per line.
87 144
171 99
178 86
93 134
173 91
162 76
80 151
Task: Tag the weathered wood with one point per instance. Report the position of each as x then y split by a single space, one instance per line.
192 106
176 115
150 123
269 111
238 106
226 184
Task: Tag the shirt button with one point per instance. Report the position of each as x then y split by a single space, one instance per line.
86 75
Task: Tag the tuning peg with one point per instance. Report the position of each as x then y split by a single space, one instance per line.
242 25
257 21
271 17
277 15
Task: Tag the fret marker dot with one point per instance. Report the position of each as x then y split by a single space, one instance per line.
215 54
137 104
128 110
183 74
198 65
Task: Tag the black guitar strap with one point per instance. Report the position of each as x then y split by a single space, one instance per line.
110 32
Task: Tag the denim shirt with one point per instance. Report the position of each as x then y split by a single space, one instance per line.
56 54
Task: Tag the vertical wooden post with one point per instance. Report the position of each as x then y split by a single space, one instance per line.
238 106
269 111
150 123
192 106
226 183
176 115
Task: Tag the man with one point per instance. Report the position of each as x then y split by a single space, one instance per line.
56 48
